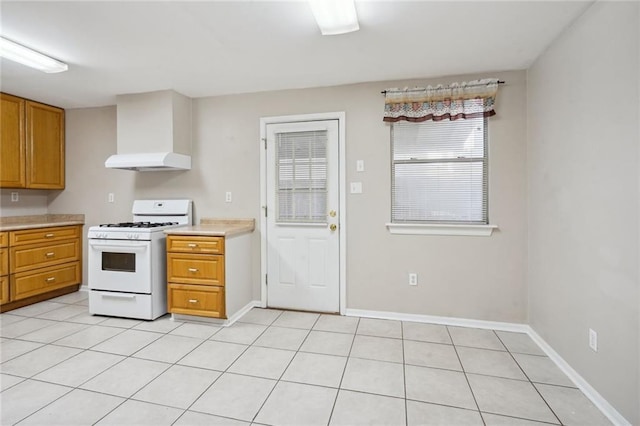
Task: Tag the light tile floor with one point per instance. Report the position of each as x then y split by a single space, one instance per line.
61 365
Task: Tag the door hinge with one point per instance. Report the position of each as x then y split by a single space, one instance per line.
265 142
266 211
266 279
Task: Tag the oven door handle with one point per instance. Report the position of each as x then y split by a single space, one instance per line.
108 246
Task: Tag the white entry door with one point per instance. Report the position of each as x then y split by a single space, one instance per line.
303 241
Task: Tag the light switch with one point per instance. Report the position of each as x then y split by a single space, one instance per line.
227 197
356 187
360 166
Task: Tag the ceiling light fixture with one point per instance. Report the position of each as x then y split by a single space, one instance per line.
335 16
18 53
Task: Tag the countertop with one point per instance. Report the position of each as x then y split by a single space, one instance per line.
216 228
15 223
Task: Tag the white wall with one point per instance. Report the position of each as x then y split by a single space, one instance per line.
583 162
471 277
30 202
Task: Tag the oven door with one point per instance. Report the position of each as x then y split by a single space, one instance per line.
120 265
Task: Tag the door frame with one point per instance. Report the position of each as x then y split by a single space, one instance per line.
342 176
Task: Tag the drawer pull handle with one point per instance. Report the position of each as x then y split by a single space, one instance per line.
193 269
192 245
193 300
50 279
48 235
50 254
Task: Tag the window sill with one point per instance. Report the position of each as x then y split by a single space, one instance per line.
441 229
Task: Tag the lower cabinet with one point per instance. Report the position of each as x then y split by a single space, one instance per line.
208 276
42 263
196 276
4 268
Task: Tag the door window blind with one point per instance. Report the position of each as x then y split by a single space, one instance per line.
439 171
301 170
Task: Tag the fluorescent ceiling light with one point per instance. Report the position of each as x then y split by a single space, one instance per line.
18 53
335 16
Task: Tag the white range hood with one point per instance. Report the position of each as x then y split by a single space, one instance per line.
154 132
152 161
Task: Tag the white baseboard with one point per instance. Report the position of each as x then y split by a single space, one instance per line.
235 317
593 395
216 321
432 319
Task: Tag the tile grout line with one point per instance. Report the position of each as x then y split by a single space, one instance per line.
529 379
473 395
404 377
344 370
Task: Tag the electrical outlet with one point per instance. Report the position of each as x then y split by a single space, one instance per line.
227 197
111 197
413 278
15 197
593 340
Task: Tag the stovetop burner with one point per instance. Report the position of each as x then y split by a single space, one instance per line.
137 224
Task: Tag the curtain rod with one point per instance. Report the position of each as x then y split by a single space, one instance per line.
384 92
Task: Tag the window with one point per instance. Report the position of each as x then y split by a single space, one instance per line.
439 172
301 170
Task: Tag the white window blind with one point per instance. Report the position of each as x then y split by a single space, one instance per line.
301 167
439 171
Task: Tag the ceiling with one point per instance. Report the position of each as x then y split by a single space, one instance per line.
207 48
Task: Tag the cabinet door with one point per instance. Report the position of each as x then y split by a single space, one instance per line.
195 269
32 283
4 290
45 146
207 301
12 154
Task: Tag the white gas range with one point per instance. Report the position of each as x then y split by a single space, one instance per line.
127 261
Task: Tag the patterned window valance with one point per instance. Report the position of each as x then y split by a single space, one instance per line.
457 100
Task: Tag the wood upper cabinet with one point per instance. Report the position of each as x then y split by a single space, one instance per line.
12 153
45 146
32 154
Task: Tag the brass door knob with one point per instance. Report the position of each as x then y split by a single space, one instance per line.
333 227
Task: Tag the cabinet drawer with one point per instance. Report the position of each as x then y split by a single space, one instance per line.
27 284
4 239
4 290
28 257
4 261
42 235
195 269
189 244
205 301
